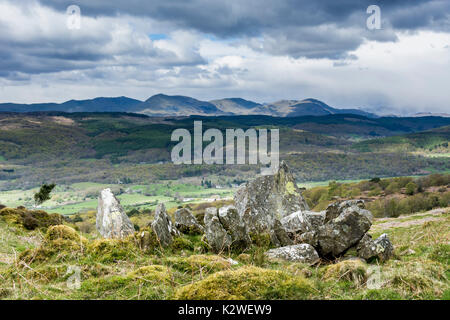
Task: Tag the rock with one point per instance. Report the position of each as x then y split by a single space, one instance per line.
344 231
185 222
112 221
268 198
279 236
310 237
216 235
366 247
385 249
381 248
303 253
163 227
335 209
303 221
235 227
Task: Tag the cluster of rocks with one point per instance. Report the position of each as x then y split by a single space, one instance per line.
269 205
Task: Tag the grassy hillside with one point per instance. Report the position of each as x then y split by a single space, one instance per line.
43 264
433 141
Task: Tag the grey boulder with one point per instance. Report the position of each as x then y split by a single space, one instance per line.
163 227
303 221
344 231
303 253
235 227
112 221
216 235
336 208
185 222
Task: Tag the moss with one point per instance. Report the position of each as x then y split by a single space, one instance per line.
190 230
261 239
348 270
63 232
153 273
247 283
147 283
111 250
58 250
146 240
201 263
244 258
181 243
29 219
299 269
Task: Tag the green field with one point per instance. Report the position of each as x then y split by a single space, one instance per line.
81 197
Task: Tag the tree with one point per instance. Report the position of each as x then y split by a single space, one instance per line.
44 193
411 188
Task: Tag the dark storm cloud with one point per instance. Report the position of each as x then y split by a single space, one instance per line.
295 28
252 17
290 27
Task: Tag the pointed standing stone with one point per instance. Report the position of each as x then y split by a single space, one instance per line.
112 221
163 227
269 198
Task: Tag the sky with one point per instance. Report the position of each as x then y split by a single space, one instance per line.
258 50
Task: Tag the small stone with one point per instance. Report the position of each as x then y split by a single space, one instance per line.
303 253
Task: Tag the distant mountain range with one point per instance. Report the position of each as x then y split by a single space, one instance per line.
165 105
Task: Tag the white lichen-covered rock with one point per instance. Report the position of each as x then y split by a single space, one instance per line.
185 222
385 249
303 253
112 221
344 231
163 227
216 236
269 198
303 221
380 248
336 208
235 227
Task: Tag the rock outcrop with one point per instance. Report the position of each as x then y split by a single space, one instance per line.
112 221
163 227
266 199
185 222
303 253
345 230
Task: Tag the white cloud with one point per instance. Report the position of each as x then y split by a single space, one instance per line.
41 60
